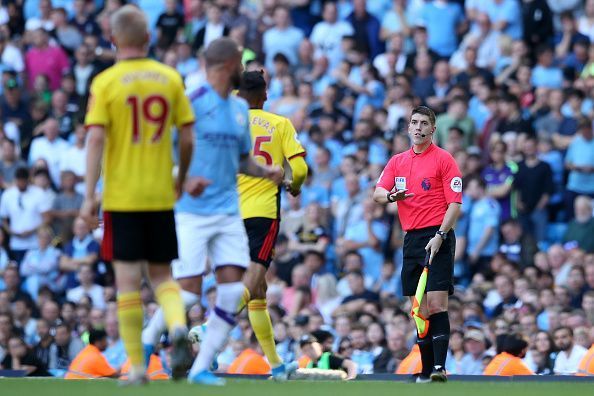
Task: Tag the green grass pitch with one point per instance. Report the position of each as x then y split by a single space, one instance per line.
45 387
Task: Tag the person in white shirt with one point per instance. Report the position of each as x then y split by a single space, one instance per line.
75 158
570 354
327 35
10 55
49 147
87 288
212 30
23 209
393 61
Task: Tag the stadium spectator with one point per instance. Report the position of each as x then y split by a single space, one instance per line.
64 351
40 265
88 288
581 227
23 210
43 58
570 354
444 20
475 347
457 115
325 360
50 147
545 74
579 161
282 38
483 238
534 185
9 163
537 21
327 35
19 357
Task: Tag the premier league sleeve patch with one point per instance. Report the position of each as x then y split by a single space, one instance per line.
456 184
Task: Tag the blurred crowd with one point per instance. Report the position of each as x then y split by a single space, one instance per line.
511 81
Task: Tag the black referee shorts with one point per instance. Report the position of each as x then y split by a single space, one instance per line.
262 233
441 271
136 236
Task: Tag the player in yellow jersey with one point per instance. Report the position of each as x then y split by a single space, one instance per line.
133 107
274 141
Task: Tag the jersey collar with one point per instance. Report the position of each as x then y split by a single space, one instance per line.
429 149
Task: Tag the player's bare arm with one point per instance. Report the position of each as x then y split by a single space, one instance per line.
186 148
448 222
95 144
249 167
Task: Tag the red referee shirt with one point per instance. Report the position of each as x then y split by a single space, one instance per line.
433 176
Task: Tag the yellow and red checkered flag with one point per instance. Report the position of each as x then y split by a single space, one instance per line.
420 321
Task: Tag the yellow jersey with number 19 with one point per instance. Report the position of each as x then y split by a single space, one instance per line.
274 139
138 101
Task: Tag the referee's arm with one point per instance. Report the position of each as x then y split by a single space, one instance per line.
384 190
451 216
383 196
447 224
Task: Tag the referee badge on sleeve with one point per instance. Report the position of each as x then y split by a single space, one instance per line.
400 183
456 184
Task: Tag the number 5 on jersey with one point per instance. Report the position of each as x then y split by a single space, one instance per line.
259 152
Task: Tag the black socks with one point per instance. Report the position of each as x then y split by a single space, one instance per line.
439 330
426 348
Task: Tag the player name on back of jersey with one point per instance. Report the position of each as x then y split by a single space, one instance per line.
263 123
144 75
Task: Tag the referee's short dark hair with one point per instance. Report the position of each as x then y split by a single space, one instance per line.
424 110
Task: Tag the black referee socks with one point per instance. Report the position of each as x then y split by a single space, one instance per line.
439 327
426 349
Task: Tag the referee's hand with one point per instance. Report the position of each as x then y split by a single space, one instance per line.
433 247
400 195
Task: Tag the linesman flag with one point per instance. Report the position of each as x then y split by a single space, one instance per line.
420 321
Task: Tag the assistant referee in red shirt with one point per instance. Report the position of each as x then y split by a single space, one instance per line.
427 184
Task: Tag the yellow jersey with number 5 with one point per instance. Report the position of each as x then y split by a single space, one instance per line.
138 101
274 139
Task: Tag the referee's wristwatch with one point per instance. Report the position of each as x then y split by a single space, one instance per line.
389 196
443 235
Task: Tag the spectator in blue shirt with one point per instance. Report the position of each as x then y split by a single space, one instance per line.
367 236
283 37
579 160
312 193
443 19
475 346
545 74
483 238
506 17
